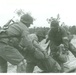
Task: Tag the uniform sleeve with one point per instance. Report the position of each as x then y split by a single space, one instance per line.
64 32
65 38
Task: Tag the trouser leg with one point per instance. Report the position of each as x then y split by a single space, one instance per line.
30 67
12 55
3 65
3 68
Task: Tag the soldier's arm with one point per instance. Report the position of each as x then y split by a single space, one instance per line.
39 49
26 41
36 44
65 38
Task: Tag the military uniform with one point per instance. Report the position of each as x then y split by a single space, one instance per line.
58 37
7 51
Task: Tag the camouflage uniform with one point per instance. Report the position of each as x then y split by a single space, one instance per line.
17 35
57 37
11 38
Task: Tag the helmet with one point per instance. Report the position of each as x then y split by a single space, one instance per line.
40 33
55 23
26 18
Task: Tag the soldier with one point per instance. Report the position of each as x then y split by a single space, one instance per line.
7 51
28 46
59 39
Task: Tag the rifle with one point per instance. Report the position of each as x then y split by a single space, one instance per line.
8 23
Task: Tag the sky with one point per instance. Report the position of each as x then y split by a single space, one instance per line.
40 10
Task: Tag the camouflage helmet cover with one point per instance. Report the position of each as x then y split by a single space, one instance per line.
40 33
55 23
26 18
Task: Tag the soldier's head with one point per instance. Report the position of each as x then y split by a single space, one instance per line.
27 19
54 24
40 35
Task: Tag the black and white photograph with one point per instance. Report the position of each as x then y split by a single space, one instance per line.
38 36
